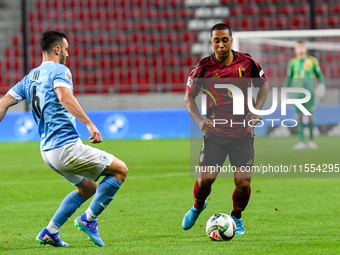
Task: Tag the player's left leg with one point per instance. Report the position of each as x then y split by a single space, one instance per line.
240 198
300 145
242 157
311 144
310 106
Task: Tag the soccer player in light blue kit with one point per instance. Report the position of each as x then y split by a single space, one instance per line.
49 91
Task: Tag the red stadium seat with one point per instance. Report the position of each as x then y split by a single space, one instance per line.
320 9
303 9
336 9
332 21
244 23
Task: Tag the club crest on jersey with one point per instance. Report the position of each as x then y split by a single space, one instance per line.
68 76
241 71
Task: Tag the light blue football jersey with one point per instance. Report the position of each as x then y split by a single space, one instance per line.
57 126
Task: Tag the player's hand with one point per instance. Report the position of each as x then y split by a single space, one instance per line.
205 125
320 91
95 137
255 118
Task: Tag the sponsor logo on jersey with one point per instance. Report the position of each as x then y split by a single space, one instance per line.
307 65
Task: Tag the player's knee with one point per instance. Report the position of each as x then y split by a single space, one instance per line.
242 185
205 182
123 171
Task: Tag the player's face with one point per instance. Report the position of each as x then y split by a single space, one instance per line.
221 42
63 52
300 50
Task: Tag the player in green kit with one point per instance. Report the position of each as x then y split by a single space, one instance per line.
301 73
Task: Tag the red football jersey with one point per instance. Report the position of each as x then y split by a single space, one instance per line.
242 72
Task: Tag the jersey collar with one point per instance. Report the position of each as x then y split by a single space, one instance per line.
218 62
45 62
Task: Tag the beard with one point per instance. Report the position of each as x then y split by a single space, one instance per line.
222 56
62 59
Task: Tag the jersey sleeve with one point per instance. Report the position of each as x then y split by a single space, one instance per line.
257 74
62 77
317 70
193 86
289 74
18 90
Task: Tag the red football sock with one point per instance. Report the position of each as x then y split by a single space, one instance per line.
200 195
240 201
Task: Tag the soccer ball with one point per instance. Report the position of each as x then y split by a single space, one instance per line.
220 227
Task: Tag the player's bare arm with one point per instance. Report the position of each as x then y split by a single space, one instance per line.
260 100
204 124
71 104
6 102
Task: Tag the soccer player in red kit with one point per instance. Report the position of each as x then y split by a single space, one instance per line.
235 141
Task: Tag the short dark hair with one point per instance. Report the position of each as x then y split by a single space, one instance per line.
50 39
221 26
298 42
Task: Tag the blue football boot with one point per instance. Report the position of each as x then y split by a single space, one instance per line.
45 237
191 216
239 226
90 228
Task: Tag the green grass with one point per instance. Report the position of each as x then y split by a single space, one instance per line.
284 216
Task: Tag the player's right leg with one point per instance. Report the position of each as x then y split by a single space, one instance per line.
202 189
211 155
50 234
115 174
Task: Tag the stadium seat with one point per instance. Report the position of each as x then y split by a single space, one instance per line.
163 40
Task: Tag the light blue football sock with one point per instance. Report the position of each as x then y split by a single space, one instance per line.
67 207
106 189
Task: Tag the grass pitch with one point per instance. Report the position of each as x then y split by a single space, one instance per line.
284 215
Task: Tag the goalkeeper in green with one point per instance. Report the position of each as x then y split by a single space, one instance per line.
301 73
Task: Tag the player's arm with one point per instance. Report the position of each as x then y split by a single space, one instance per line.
71 104
191 106
320 89
260 100
318 72
289 75
5 102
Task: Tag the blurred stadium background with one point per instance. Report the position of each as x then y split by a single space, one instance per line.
136 54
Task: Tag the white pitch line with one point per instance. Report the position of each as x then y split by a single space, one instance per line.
134 177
